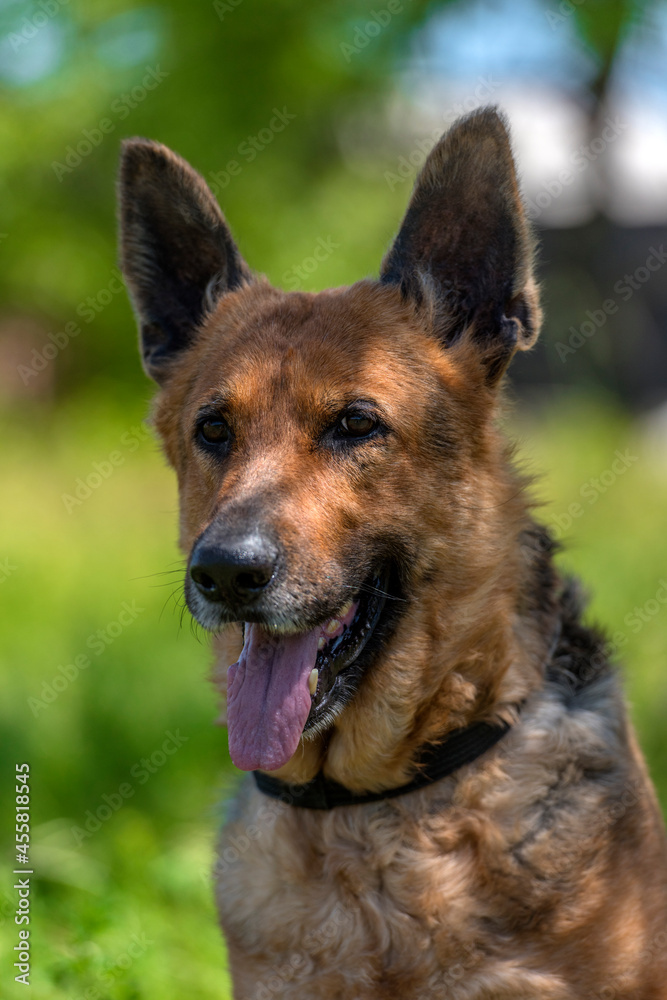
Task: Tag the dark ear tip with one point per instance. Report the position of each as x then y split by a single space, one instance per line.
488 120
481 139
137 146
138 152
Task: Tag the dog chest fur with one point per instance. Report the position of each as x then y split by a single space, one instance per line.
501 881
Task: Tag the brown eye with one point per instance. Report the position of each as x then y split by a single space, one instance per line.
357 425
214 430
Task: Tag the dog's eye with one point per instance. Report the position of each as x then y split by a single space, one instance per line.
214 430
356 425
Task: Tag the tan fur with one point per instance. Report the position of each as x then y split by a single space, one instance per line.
539 870
455 891
434 895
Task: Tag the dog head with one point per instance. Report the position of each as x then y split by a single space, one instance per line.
336 452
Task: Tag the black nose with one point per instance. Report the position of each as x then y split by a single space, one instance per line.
237 571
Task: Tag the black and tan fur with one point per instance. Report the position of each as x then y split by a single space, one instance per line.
539 870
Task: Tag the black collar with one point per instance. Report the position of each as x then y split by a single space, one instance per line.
460 747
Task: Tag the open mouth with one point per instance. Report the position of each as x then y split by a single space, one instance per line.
342 640
285 685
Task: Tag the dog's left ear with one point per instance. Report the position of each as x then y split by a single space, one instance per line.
465 247
177 253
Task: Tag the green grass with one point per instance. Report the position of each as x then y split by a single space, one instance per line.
127 911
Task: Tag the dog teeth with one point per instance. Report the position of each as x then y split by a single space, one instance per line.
321 642
332 626
345 609
312 680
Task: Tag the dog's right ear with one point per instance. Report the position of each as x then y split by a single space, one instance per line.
177 253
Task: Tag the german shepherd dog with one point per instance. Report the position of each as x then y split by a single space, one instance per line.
448 800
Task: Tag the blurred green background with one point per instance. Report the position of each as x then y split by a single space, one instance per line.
104 683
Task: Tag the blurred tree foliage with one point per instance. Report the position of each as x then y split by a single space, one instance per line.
227 66
204 78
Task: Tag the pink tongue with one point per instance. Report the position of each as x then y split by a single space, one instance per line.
268 699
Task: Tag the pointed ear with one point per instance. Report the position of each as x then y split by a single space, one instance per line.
177 253
465 248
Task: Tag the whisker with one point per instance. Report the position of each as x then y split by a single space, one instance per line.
164 572
195 630
370 589
173 596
